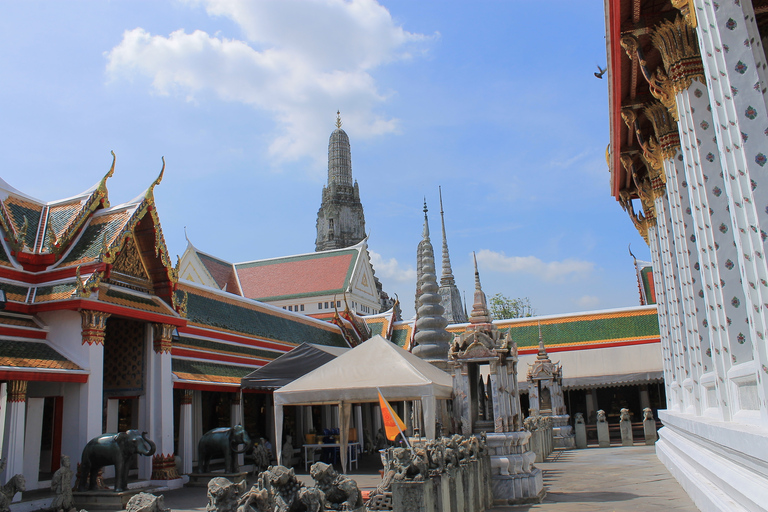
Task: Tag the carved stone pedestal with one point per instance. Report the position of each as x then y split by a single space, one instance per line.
562 432
202 479
649 429
513 477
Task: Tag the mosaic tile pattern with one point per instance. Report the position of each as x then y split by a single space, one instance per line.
32 354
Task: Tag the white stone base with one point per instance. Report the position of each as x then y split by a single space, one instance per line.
721 465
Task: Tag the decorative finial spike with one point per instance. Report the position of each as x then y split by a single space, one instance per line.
338 119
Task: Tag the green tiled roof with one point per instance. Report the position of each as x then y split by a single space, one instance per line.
26 354
205 368
33 219
376 328
196 343
400 336
145 301
586 330
223 315
89 246
15 292
3 255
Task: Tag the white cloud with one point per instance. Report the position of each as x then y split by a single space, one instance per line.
588 301
301 62
548 271
391 270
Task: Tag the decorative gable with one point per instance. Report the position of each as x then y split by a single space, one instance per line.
129 269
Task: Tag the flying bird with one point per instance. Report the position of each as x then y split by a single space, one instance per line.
600 72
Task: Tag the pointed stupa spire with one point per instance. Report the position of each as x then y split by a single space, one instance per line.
431 338
450 297
447 278
480 314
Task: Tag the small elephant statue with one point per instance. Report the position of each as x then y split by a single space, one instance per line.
222 442
113 450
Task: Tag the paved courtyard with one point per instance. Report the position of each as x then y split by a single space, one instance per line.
607 479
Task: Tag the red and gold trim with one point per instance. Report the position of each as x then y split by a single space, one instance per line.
94 326
163 334
164 467
17 391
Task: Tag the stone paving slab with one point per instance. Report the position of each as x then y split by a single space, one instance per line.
596 479
608 479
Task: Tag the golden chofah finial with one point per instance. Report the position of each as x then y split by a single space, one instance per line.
151 189
338 119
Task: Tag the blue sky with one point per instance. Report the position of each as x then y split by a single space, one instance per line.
495 101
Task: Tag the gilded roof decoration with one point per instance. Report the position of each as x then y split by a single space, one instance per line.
90 245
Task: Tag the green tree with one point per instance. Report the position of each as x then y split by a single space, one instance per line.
503 307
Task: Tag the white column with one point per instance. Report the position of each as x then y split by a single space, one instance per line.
32 434
667 359
160 405
13 447
186 439
736 76
236 418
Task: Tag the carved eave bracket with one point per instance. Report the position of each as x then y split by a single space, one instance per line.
163 338
94 326
679 48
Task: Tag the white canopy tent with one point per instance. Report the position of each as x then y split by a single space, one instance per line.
355 376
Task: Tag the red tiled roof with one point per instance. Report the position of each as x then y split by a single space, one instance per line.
297 276
221 272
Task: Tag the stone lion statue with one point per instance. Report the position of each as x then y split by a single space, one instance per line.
624 415
290 495
341 492
601 416
647 414
579 418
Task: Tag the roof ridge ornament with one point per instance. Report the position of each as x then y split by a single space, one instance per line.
338 120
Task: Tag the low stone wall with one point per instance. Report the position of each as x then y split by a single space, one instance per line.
459 489
542 436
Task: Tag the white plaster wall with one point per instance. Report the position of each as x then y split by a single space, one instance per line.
601 361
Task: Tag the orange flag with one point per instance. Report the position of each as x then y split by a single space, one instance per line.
393 425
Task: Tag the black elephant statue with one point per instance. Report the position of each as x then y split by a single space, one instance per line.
113 450
222 442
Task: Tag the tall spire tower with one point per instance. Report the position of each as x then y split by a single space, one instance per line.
450 297
340 219
432 340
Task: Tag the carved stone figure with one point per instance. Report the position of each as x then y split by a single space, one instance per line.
146 502
261 456
579 418
290 495
409 465
113 450
61 485
223 495
222 442
624 415
341 492
601 418
17 483
255 500
647 414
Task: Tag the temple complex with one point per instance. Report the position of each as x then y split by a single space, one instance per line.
687 154
99 335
